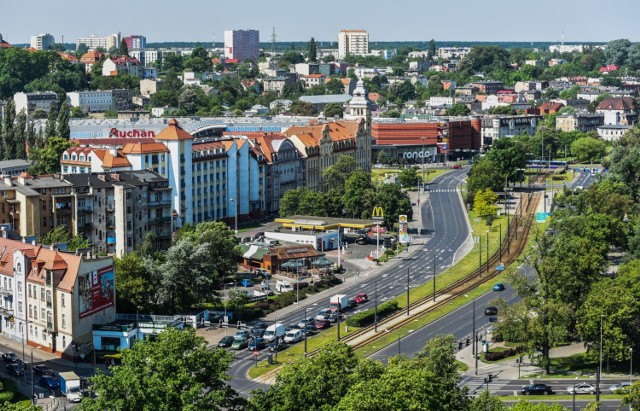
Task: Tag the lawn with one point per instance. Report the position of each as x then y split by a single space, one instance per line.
378 174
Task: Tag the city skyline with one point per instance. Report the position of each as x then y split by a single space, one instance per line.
457 20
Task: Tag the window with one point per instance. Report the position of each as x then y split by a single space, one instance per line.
63 322
42 313
30 311
42 293
20 308
19 287
62 299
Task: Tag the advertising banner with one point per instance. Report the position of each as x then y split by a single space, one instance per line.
403 232
97 291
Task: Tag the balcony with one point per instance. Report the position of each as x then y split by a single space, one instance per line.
6 291
85 209
160 203
6 311
86 226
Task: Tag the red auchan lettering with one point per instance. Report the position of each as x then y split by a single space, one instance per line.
114 132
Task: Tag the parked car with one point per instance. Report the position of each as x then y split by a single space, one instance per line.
9 357
536 389
351 303
498 287
239 343
456 166
293 336
246 282
256 343
226 341
322 324
361 298
303 323
621 387
322 314
257 332
47 381
43 370
310 328
16 368
491 311
242 334
582 388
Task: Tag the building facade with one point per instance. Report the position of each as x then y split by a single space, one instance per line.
135 41
94 42
583 122
354 42
242 45
42 41
50 299
30 102
91 101
495 127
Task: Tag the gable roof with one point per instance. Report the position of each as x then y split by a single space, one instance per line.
174 132
144 148
617 103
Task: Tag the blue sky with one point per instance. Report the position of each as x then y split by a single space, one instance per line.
201 20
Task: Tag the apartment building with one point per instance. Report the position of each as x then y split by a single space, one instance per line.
135 41
51 298
30 102
313 80
42 41
116 211
146 56
91 101
123 64
242 45
354 42
488 87
94 42
459 53
494 127
583 122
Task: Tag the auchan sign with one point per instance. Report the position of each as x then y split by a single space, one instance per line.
115 133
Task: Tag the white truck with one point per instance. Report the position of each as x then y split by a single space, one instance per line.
70 386
338 302
283 286
272 332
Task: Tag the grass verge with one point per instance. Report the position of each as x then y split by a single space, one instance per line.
559 397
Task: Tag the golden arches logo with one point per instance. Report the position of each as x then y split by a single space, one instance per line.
377 213
402 218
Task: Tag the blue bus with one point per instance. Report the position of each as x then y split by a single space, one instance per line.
553 164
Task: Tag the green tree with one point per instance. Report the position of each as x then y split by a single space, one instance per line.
312 50
334 110
632 398
431 50
620 321
302 108
408 177
7 128
588 149
289 202
50 125
123 50
616 51
62 126
359 195
174 371
20 136
484 203
458 109
46 160
507 110
136 288
525 405
394 202
61 234
316 383
340 171
487 402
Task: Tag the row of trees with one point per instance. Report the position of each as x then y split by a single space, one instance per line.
176 371
183 276
569 294
352 195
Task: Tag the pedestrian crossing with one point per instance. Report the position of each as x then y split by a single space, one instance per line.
444 190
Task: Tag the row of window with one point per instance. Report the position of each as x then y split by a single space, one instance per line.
82 157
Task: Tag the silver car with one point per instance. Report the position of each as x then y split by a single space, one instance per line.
620 387
582 388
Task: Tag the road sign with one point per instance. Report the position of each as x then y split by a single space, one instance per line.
402 219
500 267
377 213
256 353
541 217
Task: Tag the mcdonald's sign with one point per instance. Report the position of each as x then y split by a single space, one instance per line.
377 213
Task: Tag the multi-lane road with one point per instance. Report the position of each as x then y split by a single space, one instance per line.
445 219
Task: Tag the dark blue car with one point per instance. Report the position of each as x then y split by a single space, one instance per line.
48 381
498 287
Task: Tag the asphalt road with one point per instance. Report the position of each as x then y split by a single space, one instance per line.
443 215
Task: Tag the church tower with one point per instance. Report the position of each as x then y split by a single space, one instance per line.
359 106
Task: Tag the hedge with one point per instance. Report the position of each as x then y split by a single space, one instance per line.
500 355
368 317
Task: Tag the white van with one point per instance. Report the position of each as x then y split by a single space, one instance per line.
273 331
293 336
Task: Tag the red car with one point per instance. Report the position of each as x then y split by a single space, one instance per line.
456 166
322 324
362 298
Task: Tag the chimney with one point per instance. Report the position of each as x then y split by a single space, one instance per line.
33 242
7 180
113 151
53 247
24 240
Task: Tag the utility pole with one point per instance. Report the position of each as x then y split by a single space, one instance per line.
305 331
475 337
375 316
407 291
434 275
487 247
599 377
480 256
500 242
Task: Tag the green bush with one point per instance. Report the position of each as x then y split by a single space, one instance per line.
500 355
368 317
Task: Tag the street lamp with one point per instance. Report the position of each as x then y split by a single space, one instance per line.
631 365
235 213
574 393
475 343
305 330
600 366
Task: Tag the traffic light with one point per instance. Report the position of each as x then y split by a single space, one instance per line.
387 242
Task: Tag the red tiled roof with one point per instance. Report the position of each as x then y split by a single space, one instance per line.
174 132
617 103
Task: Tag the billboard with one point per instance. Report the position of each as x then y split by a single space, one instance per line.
402 230
96 291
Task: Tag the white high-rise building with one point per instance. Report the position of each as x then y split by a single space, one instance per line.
43 41
242 45
94 42
353 42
